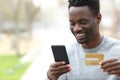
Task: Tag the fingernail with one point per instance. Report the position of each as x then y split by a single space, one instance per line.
63 62
70 68
68 65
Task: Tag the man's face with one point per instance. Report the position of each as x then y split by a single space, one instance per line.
83 24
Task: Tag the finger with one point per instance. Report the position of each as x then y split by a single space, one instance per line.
117 75
114 72
114 68
57 64
108 61
59 68
112 64
62 71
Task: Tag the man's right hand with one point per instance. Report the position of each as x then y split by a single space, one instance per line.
57 69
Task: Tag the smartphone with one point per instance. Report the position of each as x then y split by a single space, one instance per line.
60 53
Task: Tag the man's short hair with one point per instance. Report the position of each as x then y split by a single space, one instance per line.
94 5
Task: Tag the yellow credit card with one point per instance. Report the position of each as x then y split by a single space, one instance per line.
93 59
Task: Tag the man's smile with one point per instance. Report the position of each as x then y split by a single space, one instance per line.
80 36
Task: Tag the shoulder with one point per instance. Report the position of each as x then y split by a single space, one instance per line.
113 44
112 41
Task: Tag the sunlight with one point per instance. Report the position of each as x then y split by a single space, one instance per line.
45 3
36 2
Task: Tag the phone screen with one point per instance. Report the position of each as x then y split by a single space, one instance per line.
59 53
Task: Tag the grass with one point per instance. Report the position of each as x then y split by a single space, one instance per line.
10 67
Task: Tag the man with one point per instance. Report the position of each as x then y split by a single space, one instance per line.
91 48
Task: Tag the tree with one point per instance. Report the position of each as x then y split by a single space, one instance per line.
31 12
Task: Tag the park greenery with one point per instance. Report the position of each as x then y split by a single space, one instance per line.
11 68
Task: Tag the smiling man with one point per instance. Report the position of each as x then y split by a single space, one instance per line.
94 56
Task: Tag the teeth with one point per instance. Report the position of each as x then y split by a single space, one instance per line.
80 34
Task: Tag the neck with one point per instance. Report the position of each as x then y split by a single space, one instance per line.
93 43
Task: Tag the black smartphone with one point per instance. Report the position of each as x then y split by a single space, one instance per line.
60 53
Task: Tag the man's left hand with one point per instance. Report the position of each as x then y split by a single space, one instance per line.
111 66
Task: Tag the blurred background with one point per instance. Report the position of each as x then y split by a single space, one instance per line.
28 26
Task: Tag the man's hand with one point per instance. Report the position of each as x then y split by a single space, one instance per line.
57 69
111 66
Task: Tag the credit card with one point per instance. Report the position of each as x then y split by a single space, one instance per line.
93 59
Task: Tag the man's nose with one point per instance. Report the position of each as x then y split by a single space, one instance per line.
77 28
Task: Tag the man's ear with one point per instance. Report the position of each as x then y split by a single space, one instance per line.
99 17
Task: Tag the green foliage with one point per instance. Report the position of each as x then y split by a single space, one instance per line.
10 68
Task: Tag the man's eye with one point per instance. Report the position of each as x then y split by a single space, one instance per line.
83 22
72 23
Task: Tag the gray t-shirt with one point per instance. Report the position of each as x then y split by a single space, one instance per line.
80 71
